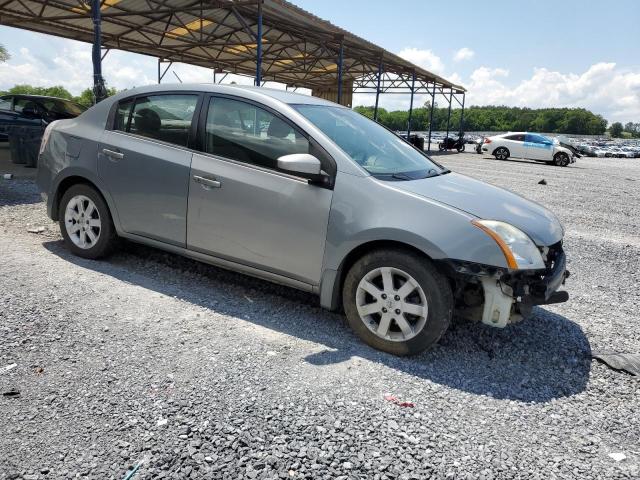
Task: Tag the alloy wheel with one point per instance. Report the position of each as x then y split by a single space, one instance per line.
82 222
392 304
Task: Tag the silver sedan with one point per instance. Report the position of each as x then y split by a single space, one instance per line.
303 192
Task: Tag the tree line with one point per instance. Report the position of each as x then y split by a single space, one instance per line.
85 98
495 119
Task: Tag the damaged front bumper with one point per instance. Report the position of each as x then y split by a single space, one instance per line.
500 296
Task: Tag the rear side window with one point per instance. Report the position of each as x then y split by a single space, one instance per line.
247 133
5 103
121 122
161 117
515 138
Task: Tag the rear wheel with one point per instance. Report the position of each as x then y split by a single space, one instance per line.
561 159
397 302
85 222
501 153
461 148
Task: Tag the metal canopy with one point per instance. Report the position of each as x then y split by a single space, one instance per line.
298 48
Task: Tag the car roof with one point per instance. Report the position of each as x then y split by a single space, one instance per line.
281 95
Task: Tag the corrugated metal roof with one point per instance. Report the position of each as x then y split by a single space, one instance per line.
299 48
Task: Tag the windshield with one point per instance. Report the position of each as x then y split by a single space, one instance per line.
378 150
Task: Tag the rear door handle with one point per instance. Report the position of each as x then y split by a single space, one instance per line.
113 154
207 182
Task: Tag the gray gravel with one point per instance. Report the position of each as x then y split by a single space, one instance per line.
194 372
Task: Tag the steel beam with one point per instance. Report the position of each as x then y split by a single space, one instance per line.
433 100
413 84
259 49
340 60
99 90
375 109
449 114
462 113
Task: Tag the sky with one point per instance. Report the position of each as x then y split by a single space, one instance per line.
561 53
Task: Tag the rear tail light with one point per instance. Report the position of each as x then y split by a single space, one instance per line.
487 140
45 137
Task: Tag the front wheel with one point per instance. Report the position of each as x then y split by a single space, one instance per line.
397 302
441 147
85 222
561 159
501 153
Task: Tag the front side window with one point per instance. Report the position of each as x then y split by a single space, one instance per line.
247 133
533 138
376 149
63 108
161 117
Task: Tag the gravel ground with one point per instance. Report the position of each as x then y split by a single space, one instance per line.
195 372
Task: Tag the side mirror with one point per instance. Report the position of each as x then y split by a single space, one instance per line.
32 111
302 164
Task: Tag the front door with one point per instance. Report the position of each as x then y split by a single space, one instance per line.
145 164
241 207
538 147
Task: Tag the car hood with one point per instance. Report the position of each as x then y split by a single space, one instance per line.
490 203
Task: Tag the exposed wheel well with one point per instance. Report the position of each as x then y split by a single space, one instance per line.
65 185
357 253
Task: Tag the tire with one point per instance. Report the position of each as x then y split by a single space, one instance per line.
461 149
98 232
441 147
561 159
431 289
501 153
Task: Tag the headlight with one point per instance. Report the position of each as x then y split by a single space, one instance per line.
518 249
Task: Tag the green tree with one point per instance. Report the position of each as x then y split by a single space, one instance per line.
616 129
4 54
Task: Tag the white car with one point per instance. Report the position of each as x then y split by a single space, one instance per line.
531 146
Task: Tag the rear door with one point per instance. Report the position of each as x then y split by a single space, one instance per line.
145 160
241 207
515 144
538 147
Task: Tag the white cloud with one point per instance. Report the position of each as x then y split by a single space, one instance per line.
603 88
423 58
464 53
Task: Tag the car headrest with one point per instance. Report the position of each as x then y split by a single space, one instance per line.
278 128
147 121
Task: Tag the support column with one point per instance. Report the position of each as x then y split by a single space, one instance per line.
413 85
433 100
375 109
462 113
259 49
340 60
99 89
449 113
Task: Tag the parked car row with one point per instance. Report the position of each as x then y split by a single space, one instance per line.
608 148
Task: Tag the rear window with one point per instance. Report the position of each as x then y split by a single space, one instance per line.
161 117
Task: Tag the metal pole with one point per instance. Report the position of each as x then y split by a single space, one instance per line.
259 50
375 109
159 71
433 100
413 84
462 112
449 113
340 59
99 90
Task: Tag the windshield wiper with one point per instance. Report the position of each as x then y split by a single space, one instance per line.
401 176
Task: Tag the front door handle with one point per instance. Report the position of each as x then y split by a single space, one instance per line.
207 182
113 154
